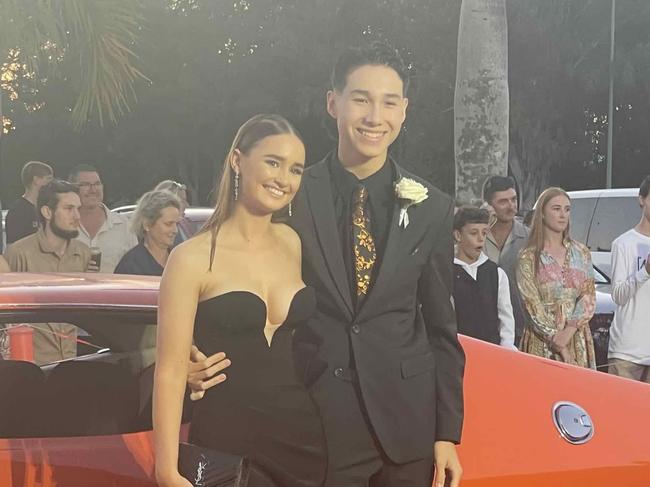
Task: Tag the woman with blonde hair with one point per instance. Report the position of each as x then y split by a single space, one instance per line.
237 287
555 279
186 228
155 222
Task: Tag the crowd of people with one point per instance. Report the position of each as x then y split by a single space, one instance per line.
543 297
550 275
64 226
338 331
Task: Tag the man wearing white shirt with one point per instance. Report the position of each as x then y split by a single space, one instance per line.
629 335
481 288
99 226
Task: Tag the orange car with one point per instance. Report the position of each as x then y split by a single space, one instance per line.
86 422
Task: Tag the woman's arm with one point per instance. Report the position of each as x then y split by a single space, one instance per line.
541 322
586 301
177 302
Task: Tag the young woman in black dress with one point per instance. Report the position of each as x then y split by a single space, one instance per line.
237 287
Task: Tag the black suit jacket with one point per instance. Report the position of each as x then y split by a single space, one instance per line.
409 363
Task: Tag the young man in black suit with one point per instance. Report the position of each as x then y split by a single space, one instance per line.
381 354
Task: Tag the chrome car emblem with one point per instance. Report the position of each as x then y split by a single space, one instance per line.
573 422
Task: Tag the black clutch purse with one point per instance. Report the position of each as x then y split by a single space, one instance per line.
210 468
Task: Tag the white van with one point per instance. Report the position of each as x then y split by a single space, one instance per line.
598 216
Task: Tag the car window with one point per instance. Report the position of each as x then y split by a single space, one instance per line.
89 389
613 217
46 342
582 211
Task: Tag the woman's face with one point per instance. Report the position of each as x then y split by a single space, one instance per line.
556 213
162 232
270 173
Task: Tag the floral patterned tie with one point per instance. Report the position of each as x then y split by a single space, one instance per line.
365 254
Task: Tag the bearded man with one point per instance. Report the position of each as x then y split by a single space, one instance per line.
53 248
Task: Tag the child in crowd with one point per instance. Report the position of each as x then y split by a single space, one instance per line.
481 289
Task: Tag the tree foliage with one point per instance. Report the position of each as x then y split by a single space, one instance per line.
95 38
212 64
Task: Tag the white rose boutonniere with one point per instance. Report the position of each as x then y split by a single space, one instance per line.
410 193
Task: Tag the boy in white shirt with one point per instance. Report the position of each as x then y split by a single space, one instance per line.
481 289
629 335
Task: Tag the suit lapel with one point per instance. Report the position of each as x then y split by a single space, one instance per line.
319 194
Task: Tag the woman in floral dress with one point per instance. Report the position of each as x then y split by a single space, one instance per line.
556 282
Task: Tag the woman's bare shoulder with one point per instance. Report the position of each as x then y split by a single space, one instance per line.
192 252
288 235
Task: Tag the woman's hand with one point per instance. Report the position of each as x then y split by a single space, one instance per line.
563 337
204 372
566 356
173 480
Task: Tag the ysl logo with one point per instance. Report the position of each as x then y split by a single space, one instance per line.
198 480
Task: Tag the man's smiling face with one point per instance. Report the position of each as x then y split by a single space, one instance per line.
369 112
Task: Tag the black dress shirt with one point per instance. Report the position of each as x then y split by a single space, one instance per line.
139 261
381 202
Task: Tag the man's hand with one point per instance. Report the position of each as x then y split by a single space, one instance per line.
204 372
447 464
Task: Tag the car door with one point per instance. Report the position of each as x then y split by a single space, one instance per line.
77 422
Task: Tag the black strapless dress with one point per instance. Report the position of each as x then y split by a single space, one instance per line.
262 410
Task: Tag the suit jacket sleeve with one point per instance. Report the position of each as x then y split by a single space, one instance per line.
434 293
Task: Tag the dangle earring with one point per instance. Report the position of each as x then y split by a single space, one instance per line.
236 186
290 209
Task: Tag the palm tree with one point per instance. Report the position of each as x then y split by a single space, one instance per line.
99 35
481 100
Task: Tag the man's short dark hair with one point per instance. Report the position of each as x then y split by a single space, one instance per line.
470 214
49 195
374 54
34 169
74 174
494 184
644 189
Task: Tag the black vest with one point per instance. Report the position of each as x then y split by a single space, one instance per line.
476 302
